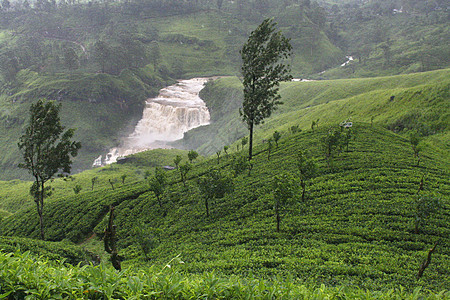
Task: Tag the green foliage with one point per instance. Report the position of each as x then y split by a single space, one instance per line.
47 149
177 160
294 129
262 71
332 145
158 184
415 140
123 177
307 169
192 155
239 164
184 170
284 192
214 185
276 137
424 208
77 189
93 181
21 276
57 251
146 237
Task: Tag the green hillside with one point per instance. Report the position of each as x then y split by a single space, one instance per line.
402 103
355 227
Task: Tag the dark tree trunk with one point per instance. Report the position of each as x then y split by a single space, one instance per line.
41 210
426 262
302 183
250 147
278 222
207 207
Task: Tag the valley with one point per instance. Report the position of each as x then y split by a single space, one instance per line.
346 194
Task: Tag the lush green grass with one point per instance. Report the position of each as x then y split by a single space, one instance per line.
356 226
21 276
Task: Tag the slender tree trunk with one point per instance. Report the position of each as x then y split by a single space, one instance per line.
278 222
426 262
250 147
41 210
207 207
302 183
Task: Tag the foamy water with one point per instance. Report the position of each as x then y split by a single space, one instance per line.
177 109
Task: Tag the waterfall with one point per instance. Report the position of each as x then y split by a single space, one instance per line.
177 109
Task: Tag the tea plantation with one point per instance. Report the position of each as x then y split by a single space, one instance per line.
354 233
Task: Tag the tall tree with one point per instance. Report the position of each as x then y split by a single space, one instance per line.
47 150
263 68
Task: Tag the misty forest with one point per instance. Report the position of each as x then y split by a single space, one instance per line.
224 149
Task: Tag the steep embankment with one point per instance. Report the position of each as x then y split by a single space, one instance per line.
401 103
355 227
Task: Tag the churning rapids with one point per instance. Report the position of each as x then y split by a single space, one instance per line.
177 109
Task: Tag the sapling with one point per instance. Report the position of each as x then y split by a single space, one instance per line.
225 149
123 177
184 170
276 137
239 165
244 141
214 185
93 181
112 182
192 155
77 189
218 156
177 161
145 237
283 190
294 129
158 184
425 207
307 169
331 145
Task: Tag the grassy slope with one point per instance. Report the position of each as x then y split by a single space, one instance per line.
420 102
355 228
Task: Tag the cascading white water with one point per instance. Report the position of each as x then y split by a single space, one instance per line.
177 109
